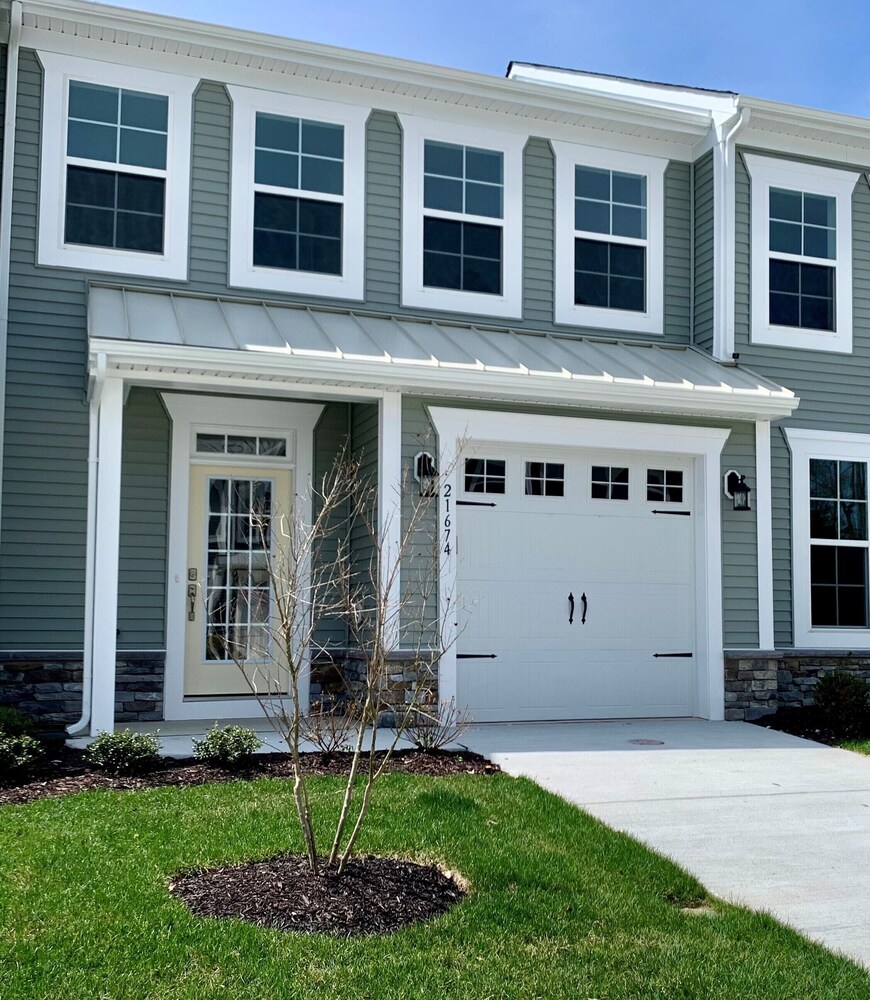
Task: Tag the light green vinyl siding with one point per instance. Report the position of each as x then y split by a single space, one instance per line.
383 211
704 264
832 387
144 511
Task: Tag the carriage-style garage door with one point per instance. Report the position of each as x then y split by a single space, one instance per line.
576 584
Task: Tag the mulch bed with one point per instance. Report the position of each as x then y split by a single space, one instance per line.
373 895
65 771
805 722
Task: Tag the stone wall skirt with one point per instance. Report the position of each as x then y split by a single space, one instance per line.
48 686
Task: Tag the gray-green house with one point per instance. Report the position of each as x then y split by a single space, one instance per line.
229 254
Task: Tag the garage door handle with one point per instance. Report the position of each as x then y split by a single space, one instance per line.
571 614
585 606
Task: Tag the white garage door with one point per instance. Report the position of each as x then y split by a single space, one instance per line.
608 537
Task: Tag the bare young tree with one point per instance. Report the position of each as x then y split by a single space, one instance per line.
386 599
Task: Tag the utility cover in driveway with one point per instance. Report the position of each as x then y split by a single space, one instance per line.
576 588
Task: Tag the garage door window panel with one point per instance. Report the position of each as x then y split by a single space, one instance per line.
664 485
545 479
485 475
609 482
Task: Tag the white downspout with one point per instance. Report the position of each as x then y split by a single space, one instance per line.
724 210
7 173
83 724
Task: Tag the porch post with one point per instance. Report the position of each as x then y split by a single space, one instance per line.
764 530
390 506
106 548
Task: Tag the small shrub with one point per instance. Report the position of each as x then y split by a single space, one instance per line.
15 723
328 727
227 747
434 729
843 701
18 754
124 752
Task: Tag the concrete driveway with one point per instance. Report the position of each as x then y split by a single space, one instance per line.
761 818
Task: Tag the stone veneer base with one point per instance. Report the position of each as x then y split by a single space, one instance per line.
758 682
48 686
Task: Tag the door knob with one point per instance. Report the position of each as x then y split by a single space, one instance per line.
191 602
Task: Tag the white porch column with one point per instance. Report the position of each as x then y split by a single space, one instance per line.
106 548
764 533
390 507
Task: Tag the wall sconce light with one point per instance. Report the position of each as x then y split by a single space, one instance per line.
736 490
425 474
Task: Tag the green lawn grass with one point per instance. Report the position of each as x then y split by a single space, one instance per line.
859 746
560 906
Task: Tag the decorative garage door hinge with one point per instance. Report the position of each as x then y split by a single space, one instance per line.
476 656
473 503
674 655
674 513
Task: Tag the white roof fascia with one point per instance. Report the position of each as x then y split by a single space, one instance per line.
145 362
640 91
169 36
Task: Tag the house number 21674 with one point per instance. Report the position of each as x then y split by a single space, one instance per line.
448 490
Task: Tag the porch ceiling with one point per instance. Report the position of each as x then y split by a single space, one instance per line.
167 337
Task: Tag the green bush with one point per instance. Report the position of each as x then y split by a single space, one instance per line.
227 747
843 701
18 754
124 752
15 723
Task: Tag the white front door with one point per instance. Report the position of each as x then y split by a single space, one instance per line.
576 584
234 511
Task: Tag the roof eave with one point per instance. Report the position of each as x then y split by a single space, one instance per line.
148 363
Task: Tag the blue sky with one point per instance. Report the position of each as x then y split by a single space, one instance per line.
811 53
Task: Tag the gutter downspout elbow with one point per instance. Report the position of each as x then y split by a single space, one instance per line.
725 210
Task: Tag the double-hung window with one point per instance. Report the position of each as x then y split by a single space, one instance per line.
609 239
298 195
801 249
830 537
120 161
462 219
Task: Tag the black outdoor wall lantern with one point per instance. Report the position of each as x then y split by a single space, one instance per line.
736 490
425 473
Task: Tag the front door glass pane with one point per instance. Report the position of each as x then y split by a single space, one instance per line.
238 593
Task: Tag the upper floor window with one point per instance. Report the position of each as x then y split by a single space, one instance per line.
121 162
801 239
462 183
462 221
298 195
609 273
609 239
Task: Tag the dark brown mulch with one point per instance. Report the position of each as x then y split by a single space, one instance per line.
372 896
65 771
804 721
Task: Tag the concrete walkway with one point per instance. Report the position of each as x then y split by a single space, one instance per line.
761 818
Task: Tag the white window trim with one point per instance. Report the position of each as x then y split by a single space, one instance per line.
568 156
350 284
767 172
804 445
509 304
52 250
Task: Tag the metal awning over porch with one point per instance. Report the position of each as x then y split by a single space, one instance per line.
228 343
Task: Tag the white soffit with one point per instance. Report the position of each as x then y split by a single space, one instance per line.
147 335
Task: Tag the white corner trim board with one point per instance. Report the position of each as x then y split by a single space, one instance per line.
805 444
764 534
509 305
459 428
52 247
190 413
767 172
243 272
651 320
